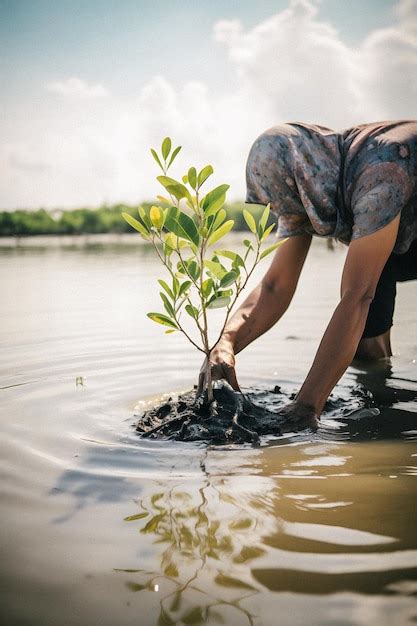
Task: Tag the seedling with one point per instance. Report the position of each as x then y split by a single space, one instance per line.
201 277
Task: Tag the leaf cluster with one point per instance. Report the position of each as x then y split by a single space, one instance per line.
200 277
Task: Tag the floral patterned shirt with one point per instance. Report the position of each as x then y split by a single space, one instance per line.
344 184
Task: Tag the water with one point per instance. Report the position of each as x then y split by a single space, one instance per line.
99 527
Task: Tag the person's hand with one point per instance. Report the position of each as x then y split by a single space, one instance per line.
297 416
222 364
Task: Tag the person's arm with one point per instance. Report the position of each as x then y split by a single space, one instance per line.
267 303
263 307
363 266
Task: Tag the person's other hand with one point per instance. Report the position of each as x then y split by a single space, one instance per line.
297 416
222 363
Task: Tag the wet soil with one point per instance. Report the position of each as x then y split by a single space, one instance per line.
233 417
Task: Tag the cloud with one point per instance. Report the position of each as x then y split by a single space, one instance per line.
19 158
294 66
291 66
75 87
388 78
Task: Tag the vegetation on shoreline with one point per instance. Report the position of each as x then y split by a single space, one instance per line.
105 219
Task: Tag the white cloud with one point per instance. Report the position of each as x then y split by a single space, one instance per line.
295 67
75 87
389 66
291 66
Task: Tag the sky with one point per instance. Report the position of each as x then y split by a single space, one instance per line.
88 87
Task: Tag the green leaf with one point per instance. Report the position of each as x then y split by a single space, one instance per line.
218 220
144 217
181 268
224 292
189 228
248 244
168 306
215 268
184 227
172 242
207 287
236 258
173 155
192 177
136 225
166 147
250 220
213 195
166 287
220 232
156 157
193 268
204 174
271 248
175 187
175 286
228 279
171 215
266 233
192 311
214 200
215 206
170 330
184 287
162 319
264 218
218 303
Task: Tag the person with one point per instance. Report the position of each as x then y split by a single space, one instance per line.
358 186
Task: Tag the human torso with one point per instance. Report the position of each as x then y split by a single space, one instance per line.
343 184
379 163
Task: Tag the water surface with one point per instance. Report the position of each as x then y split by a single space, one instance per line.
100 527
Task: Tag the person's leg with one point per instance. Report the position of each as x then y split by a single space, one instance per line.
374 348
375 342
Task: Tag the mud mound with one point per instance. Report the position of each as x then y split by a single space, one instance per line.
232 418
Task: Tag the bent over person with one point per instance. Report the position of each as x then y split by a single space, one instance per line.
359 186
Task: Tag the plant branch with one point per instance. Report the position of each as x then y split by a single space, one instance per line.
175 315
237 294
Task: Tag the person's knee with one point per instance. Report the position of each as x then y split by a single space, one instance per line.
374 348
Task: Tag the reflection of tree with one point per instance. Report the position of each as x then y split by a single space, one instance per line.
209 540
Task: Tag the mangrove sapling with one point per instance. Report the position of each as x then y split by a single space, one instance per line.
201 277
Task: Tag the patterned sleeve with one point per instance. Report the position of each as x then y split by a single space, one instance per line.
381 192
269 186
291 225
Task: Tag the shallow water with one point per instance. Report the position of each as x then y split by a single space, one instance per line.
100 527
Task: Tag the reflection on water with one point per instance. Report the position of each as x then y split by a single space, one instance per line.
100 527
222 543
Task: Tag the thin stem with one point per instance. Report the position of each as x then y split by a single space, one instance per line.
210 396
175 316
237 294
172 274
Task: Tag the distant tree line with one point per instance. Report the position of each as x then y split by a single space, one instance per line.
106 219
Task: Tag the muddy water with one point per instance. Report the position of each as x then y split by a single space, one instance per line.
99 527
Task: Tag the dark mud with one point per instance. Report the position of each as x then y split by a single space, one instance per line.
232 418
